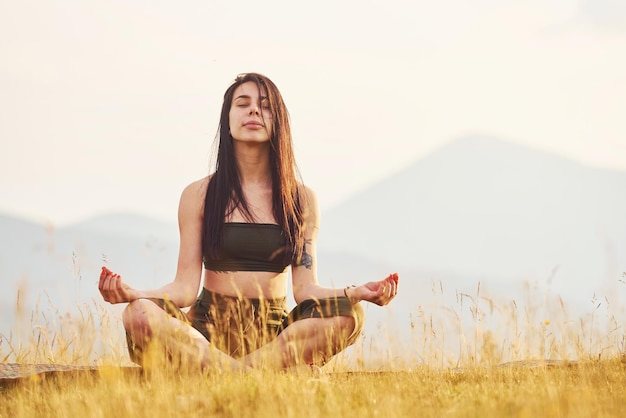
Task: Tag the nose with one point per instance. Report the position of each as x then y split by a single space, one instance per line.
254 109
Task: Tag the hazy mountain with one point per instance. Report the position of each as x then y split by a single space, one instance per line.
124 224
492 210
59 268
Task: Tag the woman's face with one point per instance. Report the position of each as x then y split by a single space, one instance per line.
250 116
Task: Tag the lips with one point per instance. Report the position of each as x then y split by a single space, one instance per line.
253 124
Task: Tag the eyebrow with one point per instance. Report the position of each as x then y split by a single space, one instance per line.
245 96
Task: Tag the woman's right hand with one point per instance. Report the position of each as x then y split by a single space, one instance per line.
113 290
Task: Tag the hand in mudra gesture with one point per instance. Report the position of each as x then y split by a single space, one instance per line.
113 289
380 292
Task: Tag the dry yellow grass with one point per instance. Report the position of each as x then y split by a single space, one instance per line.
432 381
591 389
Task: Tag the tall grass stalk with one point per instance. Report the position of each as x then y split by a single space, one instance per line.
480 357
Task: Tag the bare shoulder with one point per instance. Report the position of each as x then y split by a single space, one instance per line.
308 197
193 195
197 187
310 205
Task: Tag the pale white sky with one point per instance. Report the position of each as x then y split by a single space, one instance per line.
113 106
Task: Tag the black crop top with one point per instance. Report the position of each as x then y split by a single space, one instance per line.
249 247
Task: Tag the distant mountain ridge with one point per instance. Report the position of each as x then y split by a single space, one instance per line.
491 209
127 224
63 264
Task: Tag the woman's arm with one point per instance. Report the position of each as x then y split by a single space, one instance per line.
184 289
304 273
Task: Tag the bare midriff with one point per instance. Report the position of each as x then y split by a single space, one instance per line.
247 284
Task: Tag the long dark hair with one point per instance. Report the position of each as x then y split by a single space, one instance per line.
224 193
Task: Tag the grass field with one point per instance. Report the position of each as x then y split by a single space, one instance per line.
589 389
489 374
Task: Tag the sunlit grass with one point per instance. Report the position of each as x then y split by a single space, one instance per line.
479 358
589 389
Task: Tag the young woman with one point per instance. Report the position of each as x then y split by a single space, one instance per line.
246 223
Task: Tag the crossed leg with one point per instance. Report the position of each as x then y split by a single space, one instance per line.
163 339
306 341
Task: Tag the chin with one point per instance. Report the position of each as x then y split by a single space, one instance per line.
254 140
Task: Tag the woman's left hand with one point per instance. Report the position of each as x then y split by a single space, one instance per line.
381 292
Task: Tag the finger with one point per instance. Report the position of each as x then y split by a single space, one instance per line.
113 288
115 283
103 283
386 287
120 289
112 285
102 278
106 282
391 283
394 284
382 288
105 287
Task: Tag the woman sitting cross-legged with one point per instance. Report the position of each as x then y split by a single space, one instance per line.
247 223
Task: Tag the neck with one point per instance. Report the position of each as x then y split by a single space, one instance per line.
253 162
